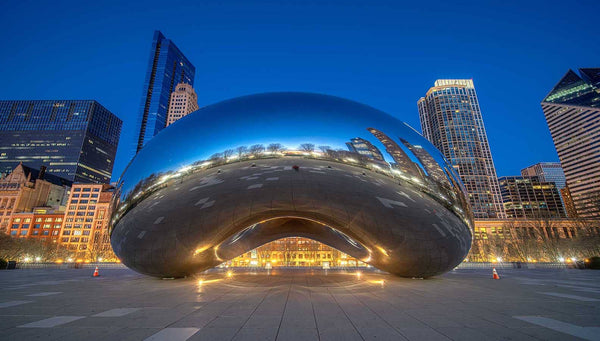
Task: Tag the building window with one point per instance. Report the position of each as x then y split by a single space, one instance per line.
15 226
37 226
23 232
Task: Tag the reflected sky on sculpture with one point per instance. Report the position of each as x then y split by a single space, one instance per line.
282 164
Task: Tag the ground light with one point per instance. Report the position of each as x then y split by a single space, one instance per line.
229 274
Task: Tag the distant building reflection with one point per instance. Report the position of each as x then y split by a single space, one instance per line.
403 162
364 147
432 168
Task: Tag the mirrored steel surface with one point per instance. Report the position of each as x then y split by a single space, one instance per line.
240 173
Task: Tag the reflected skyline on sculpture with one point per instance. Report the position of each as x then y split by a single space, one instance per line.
324 143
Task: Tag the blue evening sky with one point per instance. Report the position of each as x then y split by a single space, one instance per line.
382 53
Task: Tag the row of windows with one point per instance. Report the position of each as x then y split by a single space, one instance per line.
34 233
35 226
84 201
76 233
86 189
73 207
84 195
37 220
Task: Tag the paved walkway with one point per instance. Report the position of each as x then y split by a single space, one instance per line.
300 305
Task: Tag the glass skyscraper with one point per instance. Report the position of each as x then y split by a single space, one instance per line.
167 67
572 111
75 139
530 197
451 120
547 172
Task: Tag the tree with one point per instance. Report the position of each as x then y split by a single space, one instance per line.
227 153
241 150
275 147
324 149
12 248
307 147
257 150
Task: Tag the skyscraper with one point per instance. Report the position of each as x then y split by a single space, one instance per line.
451 120
547 172
167 67
183 101
572 111
529 197
76 139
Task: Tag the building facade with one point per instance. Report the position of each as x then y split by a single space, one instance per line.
572 111
451 120
85 231
295 252
547 172
528 197
25 188
76 140
41 223
167 67
568 203
183 101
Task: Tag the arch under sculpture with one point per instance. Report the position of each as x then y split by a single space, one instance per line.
246 171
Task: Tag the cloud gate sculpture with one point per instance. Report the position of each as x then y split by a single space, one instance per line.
243 172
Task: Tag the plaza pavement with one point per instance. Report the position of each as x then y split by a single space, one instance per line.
524 304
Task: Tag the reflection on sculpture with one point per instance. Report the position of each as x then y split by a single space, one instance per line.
243 172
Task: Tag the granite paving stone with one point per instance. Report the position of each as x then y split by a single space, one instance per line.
299 304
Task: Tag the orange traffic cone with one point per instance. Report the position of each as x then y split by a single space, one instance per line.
495 274
96 274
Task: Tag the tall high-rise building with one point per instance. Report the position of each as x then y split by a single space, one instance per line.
547 172
76 139
572 111
85 230
183 101
529 197
167 67
451 120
